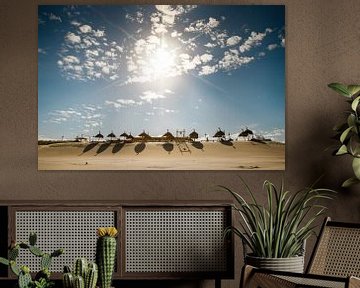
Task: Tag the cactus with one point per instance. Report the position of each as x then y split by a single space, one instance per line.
24 280
91 276
42 278
32 238
90 272
36 251
105 254
79 282
45 261
68 280
80 267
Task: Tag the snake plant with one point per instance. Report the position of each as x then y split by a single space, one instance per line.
279 228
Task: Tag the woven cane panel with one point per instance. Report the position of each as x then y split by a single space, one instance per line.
308 282
175 241
339 253
74 231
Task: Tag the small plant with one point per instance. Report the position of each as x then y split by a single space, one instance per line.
106 254
85 275
348 132
42 278
280 229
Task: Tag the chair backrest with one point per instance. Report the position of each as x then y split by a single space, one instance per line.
337 251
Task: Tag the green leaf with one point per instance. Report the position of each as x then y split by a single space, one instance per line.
349 182
345 134
342 150
353 89
356 167
355 103
351 120
4 261
340 88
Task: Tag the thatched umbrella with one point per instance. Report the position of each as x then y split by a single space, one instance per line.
219 134
99 135
168 136
145 136
111 135
194 135
125 135
246 133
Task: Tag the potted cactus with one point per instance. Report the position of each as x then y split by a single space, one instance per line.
106 254
85 275
42 278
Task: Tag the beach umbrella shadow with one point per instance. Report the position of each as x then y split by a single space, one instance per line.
198 145
140 147
169 147
227 143
89 147
117 147
103 147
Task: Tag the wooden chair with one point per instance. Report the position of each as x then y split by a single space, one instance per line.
334 263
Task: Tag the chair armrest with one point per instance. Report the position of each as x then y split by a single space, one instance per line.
252 277
354 282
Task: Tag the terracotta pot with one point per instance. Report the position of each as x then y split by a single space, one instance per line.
291 264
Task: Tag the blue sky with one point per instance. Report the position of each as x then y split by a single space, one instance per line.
157 67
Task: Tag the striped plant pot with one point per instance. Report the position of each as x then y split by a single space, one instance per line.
291 264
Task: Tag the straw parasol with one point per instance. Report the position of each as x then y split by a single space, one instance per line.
246 133
168 135
145 136
219 133
111 135
125 135
99 135
194 135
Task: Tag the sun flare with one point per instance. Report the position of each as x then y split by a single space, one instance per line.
162 62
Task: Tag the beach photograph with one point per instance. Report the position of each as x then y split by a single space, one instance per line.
161 87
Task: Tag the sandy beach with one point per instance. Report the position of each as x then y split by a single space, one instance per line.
162 156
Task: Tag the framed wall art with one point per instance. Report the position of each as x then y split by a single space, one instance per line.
161 87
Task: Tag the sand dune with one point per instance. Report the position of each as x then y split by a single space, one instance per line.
162 156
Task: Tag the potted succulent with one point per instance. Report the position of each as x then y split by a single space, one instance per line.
276 233
42 278
348 132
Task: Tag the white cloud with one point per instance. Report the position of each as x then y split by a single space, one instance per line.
272 46
207 70
70 59
254 40
75 23
149 96
210 45
85 29
262 54
122 103
41 51
72 38
99 33
169 12
233 40
53 17
206 58
106 70
168 91
213 22
232 61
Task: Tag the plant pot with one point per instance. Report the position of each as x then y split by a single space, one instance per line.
291 264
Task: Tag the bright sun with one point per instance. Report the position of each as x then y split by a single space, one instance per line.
162 62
